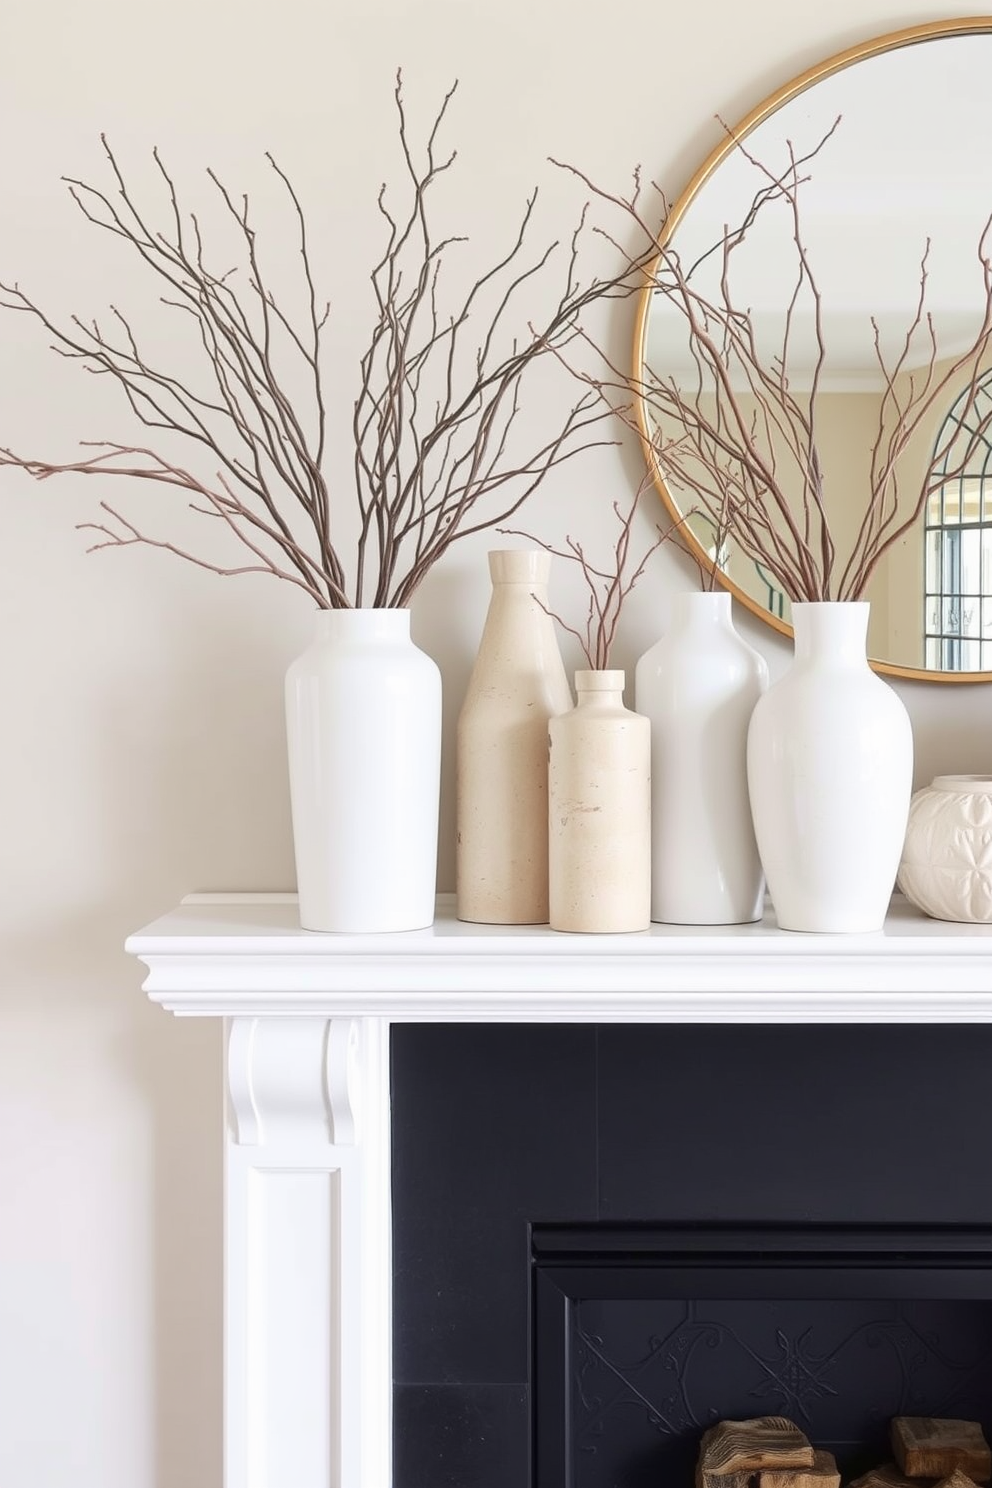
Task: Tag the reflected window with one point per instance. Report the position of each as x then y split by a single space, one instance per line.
957 626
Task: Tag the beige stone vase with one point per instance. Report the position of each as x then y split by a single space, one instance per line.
517 684
599 787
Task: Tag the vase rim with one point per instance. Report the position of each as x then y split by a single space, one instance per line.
969 785
599 679
519 565
830 604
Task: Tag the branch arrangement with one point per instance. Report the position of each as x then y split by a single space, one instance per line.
438 452
739 439
608 586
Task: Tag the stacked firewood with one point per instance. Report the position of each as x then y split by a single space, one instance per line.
950 1454
772 1452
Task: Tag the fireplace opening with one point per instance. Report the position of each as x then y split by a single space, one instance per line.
514 1146
645 1336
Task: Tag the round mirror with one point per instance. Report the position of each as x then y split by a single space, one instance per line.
841 234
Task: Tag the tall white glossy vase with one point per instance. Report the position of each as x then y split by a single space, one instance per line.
517 684
830 766
698 686
599 802
363 722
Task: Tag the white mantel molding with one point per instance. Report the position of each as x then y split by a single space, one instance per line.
307 1268
231 955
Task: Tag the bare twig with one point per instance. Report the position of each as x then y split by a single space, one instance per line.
737 436
439 449
608 586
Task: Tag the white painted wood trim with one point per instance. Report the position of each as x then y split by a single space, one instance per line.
247 956
307 1273
308 1359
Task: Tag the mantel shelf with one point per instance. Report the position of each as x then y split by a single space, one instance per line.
307 1115
245 954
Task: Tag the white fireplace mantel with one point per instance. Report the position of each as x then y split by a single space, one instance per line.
307 1215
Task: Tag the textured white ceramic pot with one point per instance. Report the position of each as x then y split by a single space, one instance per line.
363 721
599 787
698 687
946 867
830 764
517 684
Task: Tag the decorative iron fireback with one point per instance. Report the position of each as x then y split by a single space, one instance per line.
839 1369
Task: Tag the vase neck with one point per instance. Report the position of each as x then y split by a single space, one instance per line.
599 689
358 625
707 611
832 631
526 567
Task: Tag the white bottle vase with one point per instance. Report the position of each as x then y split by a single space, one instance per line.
599 788
363 721
517 684
830 765
698 687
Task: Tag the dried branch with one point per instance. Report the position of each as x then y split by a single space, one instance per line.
741 441
608 586
439 450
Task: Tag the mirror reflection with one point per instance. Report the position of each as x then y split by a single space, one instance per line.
866 286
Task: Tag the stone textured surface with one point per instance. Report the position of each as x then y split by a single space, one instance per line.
518 682
599 801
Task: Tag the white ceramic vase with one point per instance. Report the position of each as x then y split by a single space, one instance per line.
830 764
946 867
698 687
599 788
363 721
517 684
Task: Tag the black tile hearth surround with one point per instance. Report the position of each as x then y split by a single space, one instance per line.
498 1128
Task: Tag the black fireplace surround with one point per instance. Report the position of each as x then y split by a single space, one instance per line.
607 1237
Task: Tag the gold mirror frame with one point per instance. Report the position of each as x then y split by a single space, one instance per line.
891 41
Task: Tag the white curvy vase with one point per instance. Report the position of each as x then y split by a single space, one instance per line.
946 867
363 722
517 684
698 686
830 765
599 789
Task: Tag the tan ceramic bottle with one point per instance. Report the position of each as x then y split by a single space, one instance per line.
517 684
599 785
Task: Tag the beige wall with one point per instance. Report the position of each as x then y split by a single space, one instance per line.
141 751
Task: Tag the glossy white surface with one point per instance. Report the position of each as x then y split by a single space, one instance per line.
946 867
830 769
233 954
698 686
518 682
363 723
